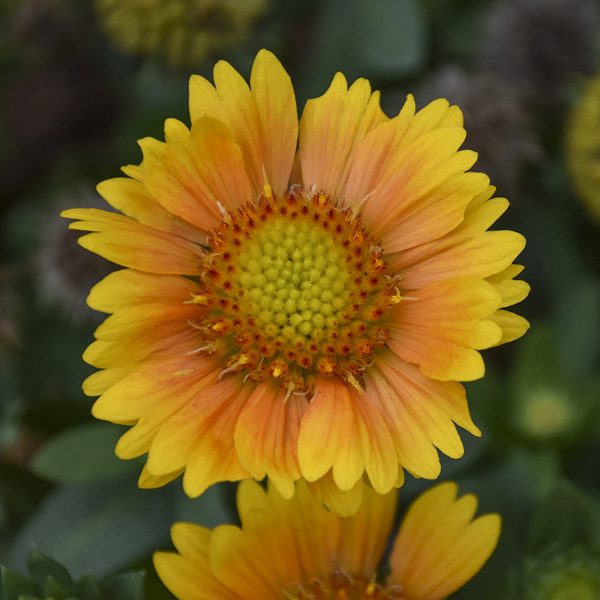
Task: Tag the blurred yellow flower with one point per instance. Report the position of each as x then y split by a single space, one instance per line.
184 31
583 146
296 550
301 299
573 575
546 413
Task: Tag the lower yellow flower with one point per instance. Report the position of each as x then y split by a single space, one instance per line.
297 550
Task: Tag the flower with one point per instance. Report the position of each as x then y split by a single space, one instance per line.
499 130
582 147
298 550
65 272
298 314
185 31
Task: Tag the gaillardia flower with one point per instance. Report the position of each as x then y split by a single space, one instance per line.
300 300
185 32
583 147
297 550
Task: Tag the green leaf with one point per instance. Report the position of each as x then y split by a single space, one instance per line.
365 38
209 509
564 518
97 527
391 36
41 567
578 324
87 588
13 585
52 589
127 586
84 453
537 363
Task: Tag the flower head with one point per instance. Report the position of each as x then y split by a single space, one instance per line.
185 31
298 313
64 271
298 550
499 129
582 146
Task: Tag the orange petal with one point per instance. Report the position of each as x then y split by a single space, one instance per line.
439 546
420 413
330 128
311 534
253 568
513 326
188 575
342 502
171 340
373 154
131 244
360 439
468 251
147 481
134 200
262 120
364 537
134 321
278 116
266 436
441 327
127 288
329 436
192 172
153 388
212 456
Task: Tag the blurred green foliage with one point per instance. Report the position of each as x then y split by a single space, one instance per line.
61 488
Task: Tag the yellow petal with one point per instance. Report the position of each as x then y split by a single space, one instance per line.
330 128
128 288
266 436
439 547
443 325
329 436
277 112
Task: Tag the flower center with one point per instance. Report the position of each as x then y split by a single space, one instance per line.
339 586
294 287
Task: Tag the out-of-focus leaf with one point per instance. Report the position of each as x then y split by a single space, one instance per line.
128 586
537 362
209 510
87 588
15 586
154 588
41 567
564 518
98 527
21 493
81 454
577 327
390 36
365 38
52 417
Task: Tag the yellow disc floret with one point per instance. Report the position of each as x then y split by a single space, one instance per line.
294 287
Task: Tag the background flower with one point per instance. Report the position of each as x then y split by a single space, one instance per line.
184 31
